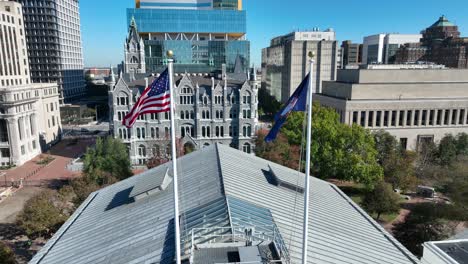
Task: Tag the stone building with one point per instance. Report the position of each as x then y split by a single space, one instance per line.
414 105
53 36
209 109
29 113
134 51
441 44
285 63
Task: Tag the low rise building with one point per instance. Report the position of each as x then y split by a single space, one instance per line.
414 105
209 109
29 113
234 208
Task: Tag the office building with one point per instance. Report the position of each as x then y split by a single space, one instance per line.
209 109
416 105
441 44
351 53
29 113
53 36
285 63
204 35
234 208
381 48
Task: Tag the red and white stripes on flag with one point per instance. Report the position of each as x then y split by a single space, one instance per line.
155 99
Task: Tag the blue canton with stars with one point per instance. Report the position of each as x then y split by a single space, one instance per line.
161 85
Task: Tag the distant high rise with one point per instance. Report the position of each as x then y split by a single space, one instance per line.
204 35
351 53
53 36
381 48
441 44
29 113
285 63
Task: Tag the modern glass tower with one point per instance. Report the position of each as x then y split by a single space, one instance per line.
204 34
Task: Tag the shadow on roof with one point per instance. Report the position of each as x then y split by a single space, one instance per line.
121 198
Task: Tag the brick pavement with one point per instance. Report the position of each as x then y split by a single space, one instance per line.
64 152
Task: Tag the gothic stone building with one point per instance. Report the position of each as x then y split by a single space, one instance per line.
209 110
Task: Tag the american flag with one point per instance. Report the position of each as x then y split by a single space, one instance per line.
155 99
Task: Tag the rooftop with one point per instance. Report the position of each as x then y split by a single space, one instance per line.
251 205
443 22
450 251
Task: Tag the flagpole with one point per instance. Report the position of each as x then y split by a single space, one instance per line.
307 168
170 55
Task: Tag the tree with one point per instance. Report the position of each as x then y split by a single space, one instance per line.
280 151
397 163
6 254
43 214
108 156
462 144
382 199
447 152
338 151
426 222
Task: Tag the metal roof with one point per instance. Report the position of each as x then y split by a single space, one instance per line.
219 186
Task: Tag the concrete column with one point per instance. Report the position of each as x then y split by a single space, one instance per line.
457 116
428 116
15 144
348 117
374 119
442 118
450 117
390 116
382 117
412 117
420 118
366 119
465 117
358 117
405 118
397 119
436 113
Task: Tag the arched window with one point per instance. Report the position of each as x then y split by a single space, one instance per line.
153 133
217 131
247 131
157 132
192 115
205 100
125 133
120 133
182 115
134 60
182 131
203 114
203 132
138 132
187 115
247 98
143 133
208 131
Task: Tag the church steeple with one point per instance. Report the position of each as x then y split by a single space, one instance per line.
134 50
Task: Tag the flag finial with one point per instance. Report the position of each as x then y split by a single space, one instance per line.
311 54
170 54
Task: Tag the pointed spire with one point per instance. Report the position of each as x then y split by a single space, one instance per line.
133 22
112 74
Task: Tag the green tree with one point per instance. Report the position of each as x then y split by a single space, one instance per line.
280 151
268 103
43 214
397 163
108 157
426 222
381 200
447 152
6 254
338 151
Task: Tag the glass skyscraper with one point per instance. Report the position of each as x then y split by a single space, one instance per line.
204 34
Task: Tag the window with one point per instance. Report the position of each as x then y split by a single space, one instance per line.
454 116
416 118
423 117
408 118
431 117
386 117
379 118
138 132
404 143
142 151
439 117
355 117
461 117
363 118
247 148
446 117
247 131
401 118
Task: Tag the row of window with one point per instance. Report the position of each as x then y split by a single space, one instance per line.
401 118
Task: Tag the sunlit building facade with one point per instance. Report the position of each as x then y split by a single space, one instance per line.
204 35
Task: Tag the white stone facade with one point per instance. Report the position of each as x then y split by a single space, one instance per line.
29 113
208 111
412 105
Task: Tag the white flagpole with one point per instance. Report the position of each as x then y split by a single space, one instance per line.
305 235
174 158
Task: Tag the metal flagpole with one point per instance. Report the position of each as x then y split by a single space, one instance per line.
174 158
307 168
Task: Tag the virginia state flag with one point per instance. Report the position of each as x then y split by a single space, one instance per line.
297 103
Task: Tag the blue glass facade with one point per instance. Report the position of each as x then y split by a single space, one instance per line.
188 21
192 54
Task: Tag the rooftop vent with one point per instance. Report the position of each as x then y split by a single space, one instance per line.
283 179
151 186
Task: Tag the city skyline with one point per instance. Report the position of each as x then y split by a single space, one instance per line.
104 24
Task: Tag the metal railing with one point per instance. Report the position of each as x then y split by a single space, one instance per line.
200 236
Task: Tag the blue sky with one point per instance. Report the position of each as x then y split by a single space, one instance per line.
103 22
